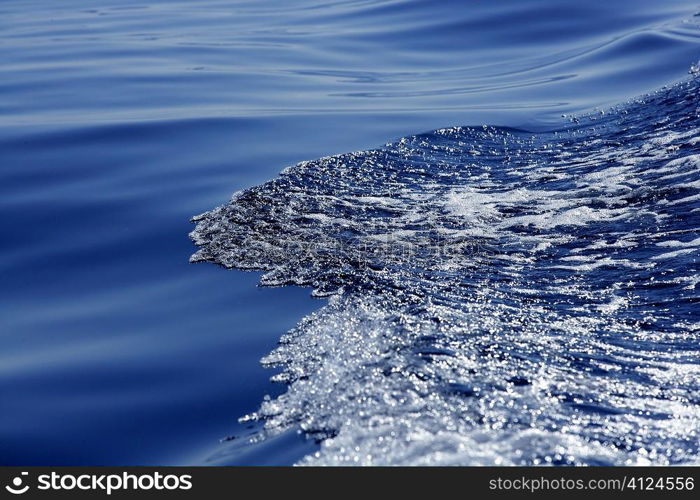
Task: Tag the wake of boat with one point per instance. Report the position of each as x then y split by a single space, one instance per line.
496 296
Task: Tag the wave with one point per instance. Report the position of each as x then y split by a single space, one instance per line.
496 296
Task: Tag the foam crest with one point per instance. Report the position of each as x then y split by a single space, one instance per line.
496 296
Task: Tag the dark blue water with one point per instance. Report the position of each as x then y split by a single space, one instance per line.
119 122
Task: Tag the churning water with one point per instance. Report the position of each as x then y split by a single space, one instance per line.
498 296
524 292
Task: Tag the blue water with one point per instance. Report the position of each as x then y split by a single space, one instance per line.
118 122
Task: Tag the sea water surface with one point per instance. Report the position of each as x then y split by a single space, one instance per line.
541 270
